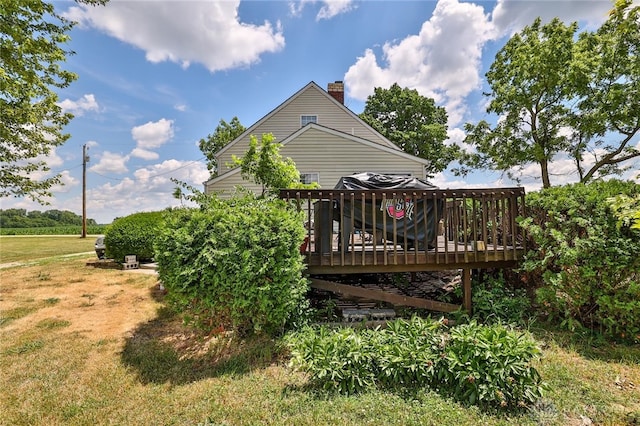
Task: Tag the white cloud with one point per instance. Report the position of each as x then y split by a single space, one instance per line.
148 136
441 62
52 160
180 107
150 189
159 175
111 163
86 103
144 154
209 33
153 134
67 182
456 136
444 181
329 9
511 16
333 8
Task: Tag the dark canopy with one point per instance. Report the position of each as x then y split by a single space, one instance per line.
411 220
369 180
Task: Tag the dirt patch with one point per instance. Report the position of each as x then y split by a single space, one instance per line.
99 303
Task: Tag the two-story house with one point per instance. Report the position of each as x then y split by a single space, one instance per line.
324 138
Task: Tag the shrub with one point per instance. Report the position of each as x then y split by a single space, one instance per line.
474 364
132 235
234 263
338 360
494 301
490 365
627 210
588 263
409 352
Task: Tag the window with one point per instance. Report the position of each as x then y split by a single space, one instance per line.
308 178
306 119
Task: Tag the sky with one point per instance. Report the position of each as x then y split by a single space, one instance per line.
156 76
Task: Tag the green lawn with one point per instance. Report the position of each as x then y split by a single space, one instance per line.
88 346
24 248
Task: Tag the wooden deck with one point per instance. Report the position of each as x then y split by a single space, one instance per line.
372 258
374 231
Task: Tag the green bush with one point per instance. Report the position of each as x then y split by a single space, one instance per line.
589 264
627 210
494 301
490 365
340 360
409 352
234 263
133 235
474 364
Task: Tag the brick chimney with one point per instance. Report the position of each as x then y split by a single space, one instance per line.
337 91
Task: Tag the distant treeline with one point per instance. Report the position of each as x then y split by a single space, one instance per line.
55 230
20 218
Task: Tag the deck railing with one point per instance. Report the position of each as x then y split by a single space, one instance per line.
407 230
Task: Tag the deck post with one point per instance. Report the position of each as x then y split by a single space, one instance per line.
466 290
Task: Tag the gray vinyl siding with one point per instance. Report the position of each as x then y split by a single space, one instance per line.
225 187
286 121
333 157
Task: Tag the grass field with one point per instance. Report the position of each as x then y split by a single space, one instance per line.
24 248
87 346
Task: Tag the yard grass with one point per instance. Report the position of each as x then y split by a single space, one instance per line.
28 247
92 346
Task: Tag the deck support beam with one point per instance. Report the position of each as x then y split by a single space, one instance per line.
395 299
466 291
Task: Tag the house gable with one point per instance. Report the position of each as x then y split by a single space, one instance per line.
285 120
332 154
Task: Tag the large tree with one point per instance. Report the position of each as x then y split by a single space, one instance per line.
607 72
31 122
530 87
222 135
413 122
555 95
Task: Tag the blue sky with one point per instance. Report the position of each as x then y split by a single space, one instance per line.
157 76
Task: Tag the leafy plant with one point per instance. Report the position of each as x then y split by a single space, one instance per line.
589 265
265 166
490 365
474 364
338 360
494 301
133 235
627 210
234 263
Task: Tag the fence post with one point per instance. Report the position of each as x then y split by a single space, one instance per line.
466 291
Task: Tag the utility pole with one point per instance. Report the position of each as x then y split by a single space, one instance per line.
85 158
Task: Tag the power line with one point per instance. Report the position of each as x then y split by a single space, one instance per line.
155 175
104 176
178 168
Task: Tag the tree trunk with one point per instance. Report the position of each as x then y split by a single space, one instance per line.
544 169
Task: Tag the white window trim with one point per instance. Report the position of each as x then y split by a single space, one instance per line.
308 115
317 176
